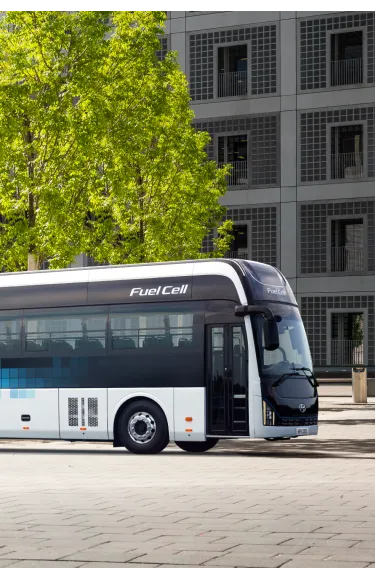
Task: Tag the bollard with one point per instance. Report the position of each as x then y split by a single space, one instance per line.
359 384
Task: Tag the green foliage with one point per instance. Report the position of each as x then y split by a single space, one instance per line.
98 151
357 329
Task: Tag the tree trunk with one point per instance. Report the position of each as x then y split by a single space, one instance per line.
32 262
32 259
141 235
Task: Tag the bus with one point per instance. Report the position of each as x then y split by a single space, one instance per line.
189 352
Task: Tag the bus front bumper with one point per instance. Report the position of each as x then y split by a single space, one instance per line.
274 432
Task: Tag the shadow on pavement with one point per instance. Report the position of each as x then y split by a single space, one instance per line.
350 421
301 448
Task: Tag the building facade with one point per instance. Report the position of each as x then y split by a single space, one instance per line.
289 101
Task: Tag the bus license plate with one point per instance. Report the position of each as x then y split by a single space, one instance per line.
302 431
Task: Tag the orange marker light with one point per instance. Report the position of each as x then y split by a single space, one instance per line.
82 428
25 428
188 419
188 429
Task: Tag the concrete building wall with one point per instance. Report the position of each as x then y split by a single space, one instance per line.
302 102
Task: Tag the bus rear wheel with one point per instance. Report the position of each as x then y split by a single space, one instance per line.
198 447
143 428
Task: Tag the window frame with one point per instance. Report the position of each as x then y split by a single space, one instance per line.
329 338
329 34
216 71
330 220
329 127
226 135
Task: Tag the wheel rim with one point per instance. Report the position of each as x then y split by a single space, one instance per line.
142 427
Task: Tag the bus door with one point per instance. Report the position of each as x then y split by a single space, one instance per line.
227 380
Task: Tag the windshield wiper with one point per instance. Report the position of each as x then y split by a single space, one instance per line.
283 378
295 373
312 380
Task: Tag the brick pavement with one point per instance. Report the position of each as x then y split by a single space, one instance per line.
302 503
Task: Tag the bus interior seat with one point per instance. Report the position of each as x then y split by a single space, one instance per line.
123 343
238 351
10 345
60 345
165 340
34 346
184 342
158 341
150 341
218 363
88 344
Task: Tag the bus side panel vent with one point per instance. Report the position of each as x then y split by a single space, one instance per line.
93 414
73 411
83 424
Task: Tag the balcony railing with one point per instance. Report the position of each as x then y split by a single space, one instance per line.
346 72
232 84
242 254
347 166
347 352
238 174
344 259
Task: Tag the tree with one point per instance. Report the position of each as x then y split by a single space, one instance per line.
98 150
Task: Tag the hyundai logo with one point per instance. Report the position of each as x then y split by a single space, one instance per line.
302 408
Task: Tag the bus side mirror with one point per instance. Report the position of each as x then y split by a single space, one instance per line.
271 335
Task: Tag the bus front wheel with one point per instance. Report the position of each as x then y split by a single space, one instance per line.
143 428
198 447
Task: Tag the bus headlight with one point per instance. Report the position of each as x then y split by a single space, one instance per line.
268 415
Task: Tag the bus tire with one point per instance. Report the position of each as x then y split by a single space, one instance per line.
197 447
143 428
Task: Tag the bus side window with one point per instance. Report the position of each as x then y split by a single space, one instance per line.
65 330
10 333
159 329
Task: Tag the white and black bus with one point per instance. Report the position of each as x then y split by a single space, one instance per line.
142 355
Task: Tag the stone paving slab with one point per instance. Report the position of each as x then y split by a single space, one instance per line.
305 503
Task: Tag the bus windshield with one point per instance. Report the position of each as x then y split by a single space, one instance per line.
293 351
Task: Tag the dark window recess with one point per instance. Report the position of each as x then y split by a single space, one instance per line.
238 246
347 58
347 245
232 71
347 152
233 150
347 335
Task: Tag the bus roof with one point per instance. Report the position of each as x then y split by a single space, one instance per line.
227 267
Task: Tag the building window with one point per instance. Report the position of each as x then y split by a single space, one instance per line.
347 152
239 244
232 71
90 261
233 150
162 52
347 338
347 240
347 58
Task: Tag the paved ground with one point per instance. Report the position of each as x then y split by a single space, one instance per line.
304 503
